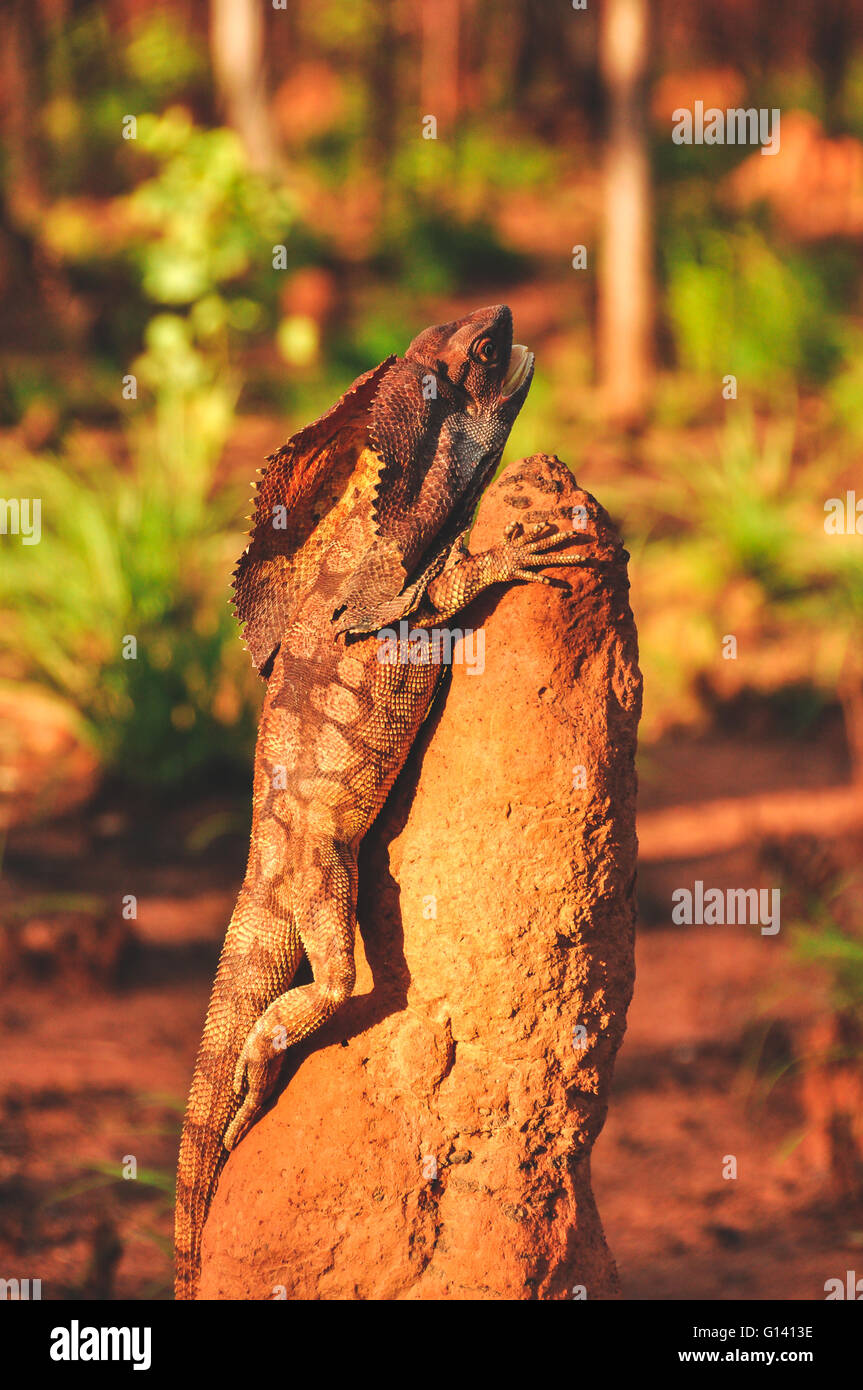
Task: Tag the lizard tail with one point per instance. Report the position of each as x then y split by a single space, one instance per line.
258 962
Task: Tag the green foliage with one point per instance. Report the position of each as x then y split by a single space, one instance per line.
440 234
161 56
831 945
205 228
190 394
730 539
841 955
536 425
738 306
140 553
203 220
94 76
475 167
746 502
851 101
432 251
24 383
845 392
797 87
143 551
341 27
166 242
372 338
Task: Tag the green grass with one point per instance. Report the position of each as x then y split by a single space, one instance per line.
140 553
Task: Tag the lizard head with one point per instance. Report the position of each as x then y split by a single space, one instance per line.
439 422
475 361
441 418
435 422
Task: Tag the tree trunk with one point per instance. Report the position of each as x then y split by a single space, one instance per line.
439 63
237 50
626 267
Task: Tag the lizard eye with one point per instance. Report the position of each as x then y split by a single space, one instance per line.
485 351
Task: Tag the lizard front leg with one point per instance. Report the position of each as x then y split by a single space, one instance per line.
520 555
325 916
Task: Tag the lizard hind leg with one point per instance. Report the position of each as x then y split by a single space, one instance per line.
325 915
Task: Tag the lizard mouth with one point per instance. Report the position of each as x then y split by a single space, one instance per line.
518 371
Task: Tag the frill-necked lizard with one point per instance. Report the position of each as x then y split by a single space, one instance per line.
360 521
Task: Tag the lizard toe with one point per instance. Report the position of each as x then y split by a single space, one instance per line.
541 530
544 560
239 1080
240 1124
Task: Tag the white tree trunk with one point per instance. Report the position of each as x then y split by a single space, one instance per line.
237 50
625 319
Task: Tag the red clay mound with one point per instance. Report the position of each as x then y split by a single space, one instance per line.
434 1140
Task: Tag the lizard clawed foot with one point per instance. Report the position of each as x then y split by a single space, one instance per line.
515 531
519 558
256 1073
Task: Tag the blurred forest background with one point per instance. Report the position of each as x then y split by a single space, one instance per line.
151 258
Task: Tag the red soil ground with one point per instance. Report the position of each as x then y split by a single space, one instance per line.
95 1071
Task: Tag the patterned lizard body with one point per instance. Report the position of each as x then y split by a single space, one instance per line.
360 521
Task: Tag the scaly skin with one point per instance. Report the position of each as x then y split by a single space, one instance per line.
377 495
